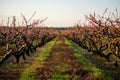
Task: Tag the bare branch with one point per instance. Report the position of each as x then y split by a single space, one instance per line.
31 16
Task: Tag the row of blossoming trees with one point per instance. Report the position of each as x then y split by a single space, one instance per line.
101 36
21 41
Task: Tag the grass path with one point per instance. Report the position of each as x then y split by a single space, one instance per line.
61 64
66 63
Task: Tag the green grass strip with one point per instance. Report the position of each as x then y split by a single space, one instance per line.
30 72
85 63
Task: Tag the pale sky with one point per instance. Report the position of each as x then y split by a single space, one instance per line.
60 13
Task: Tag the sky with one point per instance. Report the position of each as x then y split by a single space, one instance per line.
59 13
